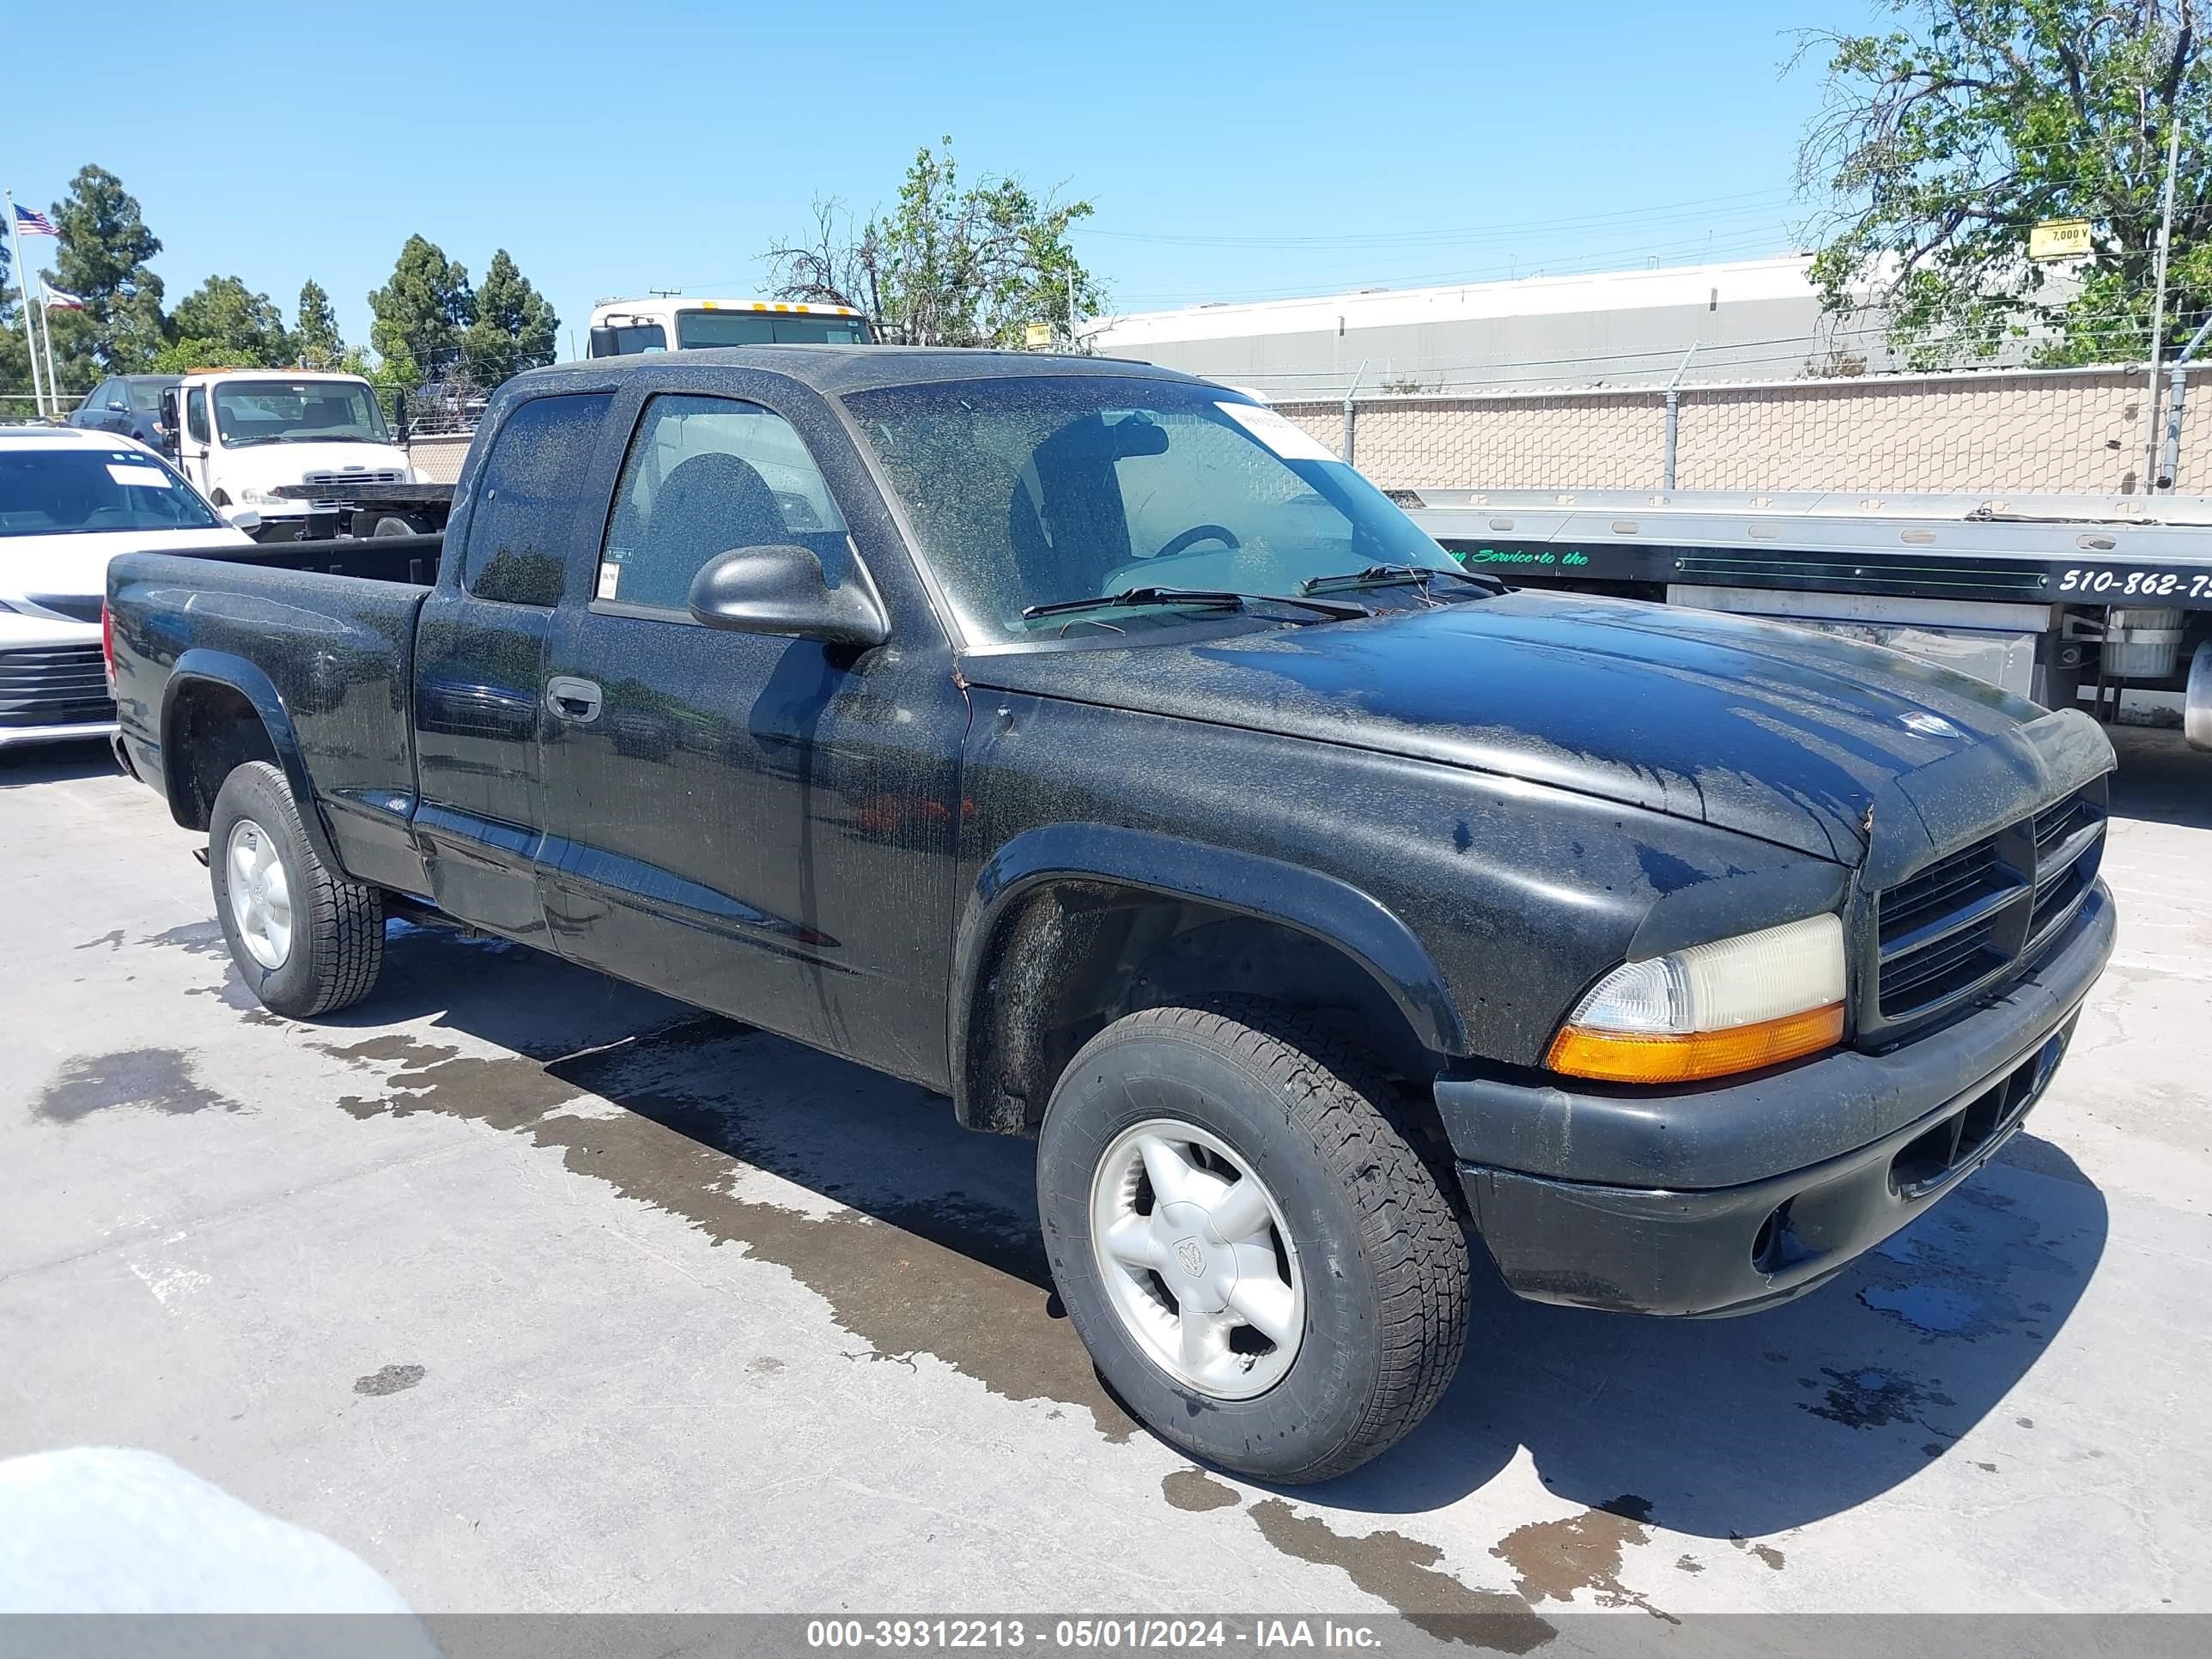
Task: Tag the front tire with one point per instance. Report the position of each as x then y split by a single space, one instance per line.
306 939
1262 1266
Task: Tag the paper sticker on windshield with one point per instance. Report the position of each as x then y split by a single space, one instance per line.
610 579
150 476
1287 441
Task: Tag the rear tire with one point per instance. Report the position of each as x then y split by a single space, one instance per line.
1368 1253
306 939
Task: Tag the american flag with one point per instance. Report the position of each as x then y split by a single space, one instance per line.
30 223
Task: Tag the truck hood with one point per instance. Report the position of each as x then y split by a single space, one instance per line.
264 466
1796 738
35 569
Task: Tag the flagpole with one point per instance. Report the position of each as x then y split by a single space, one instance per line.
23 289
47 330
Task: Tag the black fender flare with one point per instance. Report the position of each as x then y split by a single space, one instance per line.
202 666
1324 907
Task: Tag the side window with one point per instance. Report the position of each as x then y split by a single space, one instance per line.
705 475
525 498
195 414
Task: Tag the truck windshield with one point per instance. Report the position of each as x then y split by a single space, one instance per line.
248 412
1030 492
698 329
66 492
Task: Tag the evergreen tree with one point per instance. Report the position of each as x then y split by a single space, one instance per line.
420 315
102 259
515 329
315 335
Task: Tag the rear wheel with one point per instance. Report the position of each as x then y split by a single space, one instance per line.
1261 1264
306 938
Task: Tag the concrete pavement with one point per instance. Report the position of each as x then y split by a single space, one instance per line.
541 1293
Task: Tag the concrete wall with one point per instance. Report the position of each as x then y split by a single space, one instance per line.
439 460
2069 429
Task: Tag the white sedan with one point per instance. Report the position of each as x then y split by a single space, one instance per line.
69 500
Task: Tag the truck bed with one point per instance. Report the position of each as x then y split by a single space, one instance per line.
318 638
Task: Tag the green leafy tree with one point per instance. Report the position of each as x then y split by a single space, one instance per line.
514 328
420 314
949 265
15 399
1944 140
240 328
315 337
102 258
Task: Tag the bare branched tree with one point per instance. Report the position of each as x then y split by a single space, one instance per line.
948 264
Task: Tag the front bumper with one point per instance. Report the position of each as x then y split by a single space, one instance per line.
91 732
1730 1198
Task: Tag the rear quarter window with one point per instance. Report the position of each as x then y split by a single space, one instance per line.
519 528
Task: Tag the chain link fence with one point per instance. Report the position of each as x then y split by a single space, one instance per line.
2063 430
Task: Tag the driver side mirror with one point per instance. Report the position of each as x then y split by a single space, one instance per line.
605 342
781 589
241 517
165 429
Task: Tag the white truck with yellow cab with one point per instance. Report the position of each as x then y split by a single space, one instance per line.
668 322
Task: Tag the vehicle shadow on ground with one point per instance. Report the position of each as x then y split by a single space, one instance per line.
1740 1427
56 763
2161 779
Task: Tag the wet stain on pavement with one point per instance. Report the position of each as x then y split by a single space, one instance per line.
1688 1563
1403 1571
1195 1490
1554 1559
392 1379
960 1281
194 939
1874 1400
155 1079
1766 1553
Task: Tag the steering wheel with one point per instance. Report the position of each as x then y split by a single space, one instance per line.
1197 534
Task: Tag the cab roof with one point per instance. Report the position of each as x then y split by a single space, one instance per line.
834 370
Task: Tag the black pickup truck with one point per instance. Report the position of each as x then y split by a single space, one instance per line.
1083 741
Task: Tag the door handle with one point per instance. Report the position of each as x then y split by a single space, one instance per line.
573 700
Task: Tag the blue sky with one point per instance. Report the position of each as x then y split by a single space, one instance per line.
1234 151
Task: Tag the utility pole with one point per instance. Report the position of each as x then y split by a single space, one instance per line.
2157 299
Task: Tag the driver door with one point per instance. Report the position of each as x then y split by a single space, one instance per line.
760 824
195 444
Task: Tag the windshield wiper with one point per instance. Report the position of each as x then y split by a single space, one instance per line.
1392 575
1204 599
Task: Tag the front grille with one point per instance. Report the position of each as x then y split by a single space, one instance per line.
1958 926
1929 1159
58 685
387 476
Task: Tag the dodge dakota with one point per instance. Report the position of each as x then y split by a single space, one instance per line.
1085 742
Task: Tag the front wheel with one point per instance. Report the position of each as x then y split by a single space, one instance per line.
306 938
1261 1264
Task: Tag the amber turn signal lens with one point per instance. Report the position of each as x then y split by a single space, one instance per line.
1615 1058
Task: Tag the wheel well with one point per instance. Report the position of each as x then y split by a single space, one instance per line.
213 730
1071 958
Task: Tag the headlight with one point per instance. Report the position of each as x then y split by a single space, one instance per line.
1711 1010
